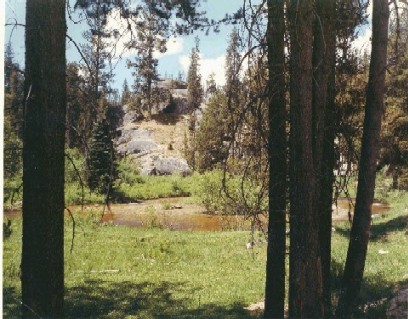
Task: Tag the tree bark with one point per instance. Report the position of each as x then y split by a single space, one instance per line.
359 237
42 263
324 50
275 265
305 278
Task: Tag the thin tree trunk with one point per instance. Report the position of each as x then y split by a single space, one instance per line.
357 251
305 278
275 265
324 47
42 263
326 195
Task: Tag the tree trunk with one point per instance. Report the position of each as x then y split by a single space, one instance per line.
357 251
275 265
42 263
324 50
305 278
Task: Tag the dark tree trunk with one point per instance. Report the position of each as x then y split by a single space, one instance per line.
324 47
275 265
357 251
42 263
305 278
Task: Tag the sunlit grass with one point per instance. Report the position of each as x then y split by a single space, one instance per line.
119 272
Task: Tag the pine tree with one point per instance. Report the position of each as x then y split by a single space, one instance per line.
211 85
126 94
150 37
194 88
232 68
101 165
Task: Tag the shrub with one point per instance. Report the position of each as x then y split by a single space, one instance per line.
229 194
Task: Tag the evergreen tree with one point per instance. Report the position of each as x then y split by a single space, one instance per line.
126 94
79 114
194 88
394 133
211 85
150 37
13 92
232 68
101 166
212 134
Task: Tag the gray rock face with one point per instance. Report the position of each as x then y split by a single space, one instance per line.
170 165
142 142
398 306
139 146
131 117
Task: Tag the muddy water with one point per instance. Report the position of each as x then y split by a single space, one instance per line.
178 214
343 206
190 222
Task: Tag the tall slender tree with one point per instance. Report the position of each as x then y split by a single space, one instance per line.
194 88
324 51
374 107
305 281
150 38
42 265
276 251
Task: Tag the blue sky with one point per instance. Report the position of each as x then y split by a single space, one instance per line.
176 59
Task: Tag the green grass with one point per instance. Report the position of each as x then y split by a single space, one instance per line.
152 187
171 274
156 273
387 256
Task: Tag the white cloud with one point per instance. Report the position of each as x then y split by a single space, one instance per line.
363 42
174 46
116 23
207 66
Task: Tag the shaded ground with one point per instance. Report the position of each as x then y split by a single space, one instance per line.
104 299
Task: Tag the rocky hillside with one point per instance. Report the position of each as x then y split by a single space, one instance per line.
157 143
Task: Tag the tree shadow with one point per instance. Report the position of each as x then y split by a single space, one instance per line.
11 303
374 294
104 299
379 231
167 118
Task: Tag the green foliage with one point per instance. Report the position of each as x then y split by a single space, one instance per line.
194 88
387 256
101 165
151 187
75 182
229 194
394 133
212 135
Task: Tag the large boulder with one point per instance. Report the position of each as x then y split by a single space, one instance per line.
398 306
140 146
171 165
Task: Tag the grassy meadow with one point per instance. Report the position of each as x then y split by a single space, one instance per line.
121 272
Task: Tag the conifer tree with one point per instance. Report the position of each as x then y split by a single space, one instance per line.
194 88
125 98
150 38
101 164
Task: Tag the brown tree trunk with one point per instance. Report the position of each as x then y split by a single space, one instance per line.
305 278
42 263
357 251
275 265
324 50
